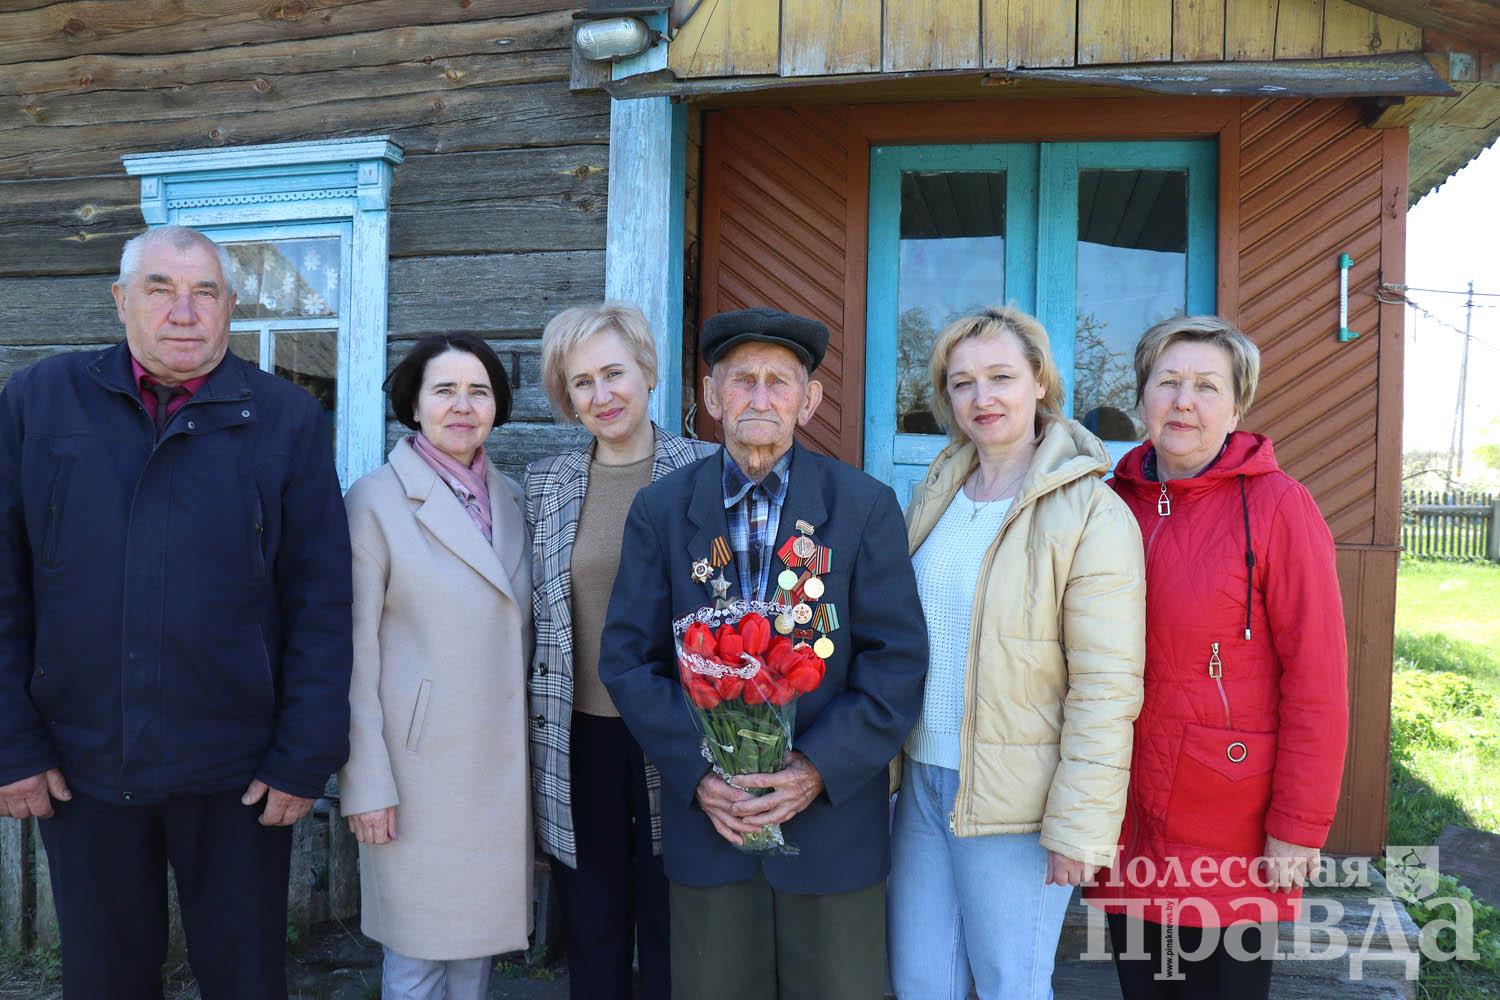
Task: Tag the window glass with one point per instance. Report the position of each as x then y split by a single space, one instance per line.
952 262
1132 272
286 279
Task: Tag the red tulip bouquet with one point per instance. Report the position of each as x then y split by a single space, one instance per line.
742 686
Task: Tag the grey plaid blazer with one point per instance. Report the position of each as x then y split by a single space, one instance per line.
555 490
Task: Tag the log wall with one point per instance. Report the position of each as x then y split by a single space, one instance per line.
497 215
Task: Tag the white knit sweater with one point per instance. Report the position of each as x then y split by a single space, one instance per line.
947 567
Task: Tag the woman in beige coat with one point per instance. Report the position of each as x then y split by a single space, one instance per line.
436 786
1031 578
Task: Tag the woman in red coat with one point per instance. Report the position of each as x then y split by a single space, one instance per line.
1239 747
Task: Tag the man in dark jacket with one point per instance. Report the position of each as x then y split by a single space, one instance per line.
174 631
766 519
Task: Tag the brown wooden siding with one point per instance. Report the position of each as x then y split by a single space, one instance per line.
1300 183
1314 182
780 196
498 213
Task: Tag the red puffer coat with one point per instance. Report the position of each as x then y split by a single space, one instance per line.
1245 719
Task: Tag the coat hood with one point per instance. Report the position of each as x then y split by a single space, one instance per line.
1245 454
1065 453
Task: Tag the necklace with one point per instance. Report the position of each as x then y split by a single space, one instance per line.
979 505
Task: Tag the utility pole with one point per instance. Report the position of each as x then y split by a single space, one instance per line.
1463 386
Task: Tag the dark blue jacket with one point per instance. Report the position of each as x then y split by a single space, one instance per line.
850 727
174 616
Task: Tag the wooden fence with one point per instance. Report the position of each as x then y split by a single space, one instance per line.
324 883
1461 525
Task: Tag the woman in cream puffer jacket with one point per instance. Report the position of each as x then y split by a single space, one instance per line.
1032 579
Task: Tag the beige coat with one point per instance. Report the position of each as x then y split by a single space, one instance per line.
1057 648
441 640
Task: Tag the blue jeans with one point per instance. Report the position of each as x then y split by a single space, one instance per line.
966 911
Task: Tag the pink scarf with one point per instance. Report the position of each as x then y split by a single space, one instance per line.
467 483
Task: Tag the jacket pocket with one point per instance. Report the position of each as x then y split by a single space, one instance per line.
257 531
55 497
1222 789
418 716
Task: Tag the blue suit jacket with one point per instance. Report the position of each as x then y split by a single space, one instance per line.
850 726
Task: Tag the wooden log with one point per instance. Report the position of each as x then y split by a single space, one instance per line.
16 881
493 293
473 118
500 201
281 94
299 893
71 311
343 867
60 30
176 935
249 64
44 916
70 226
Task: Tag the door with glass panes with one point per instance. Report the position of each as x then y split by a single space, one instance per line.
1098 240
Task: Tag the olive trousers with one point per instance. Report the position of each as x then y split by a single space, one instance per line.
748 941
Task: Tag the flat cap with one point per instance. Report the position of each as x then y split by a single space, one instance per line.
807 338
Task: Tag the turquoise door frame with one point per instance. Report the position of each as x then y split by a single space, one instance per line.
1041 255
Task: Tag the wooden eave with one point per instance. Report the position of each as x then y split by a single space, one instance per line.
1403 74
1477 21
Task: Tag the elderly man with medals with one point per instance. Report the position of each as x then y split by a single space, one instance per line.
768 520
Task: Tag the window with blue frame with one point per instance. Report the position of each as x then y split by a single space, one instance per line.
1098 240
306 229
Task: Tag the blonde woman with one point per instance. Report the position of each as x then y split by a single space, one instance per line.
595 795
1030 575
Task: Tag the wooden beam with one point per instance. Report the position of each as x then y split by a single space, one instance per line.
69 226
146 27
1402 74
491 117
256 66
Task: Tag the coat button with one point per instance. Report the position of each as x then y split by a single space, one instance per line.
244 413
40 672
126 796
541 670
192 425
540 720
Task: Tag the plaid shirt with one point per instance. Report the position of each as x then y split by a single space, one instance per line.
555 491
753 511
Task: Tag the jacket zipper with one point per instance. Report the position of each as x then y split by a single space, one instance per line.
1164 503
971 680
1216 671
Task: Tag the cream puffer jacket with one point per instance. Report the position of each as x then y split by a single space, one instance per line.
1056 649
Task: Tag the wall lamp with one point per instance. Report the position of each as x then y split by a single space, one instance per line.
607 29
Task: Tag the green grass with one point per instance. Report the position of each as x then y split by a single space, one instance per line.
1445 734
